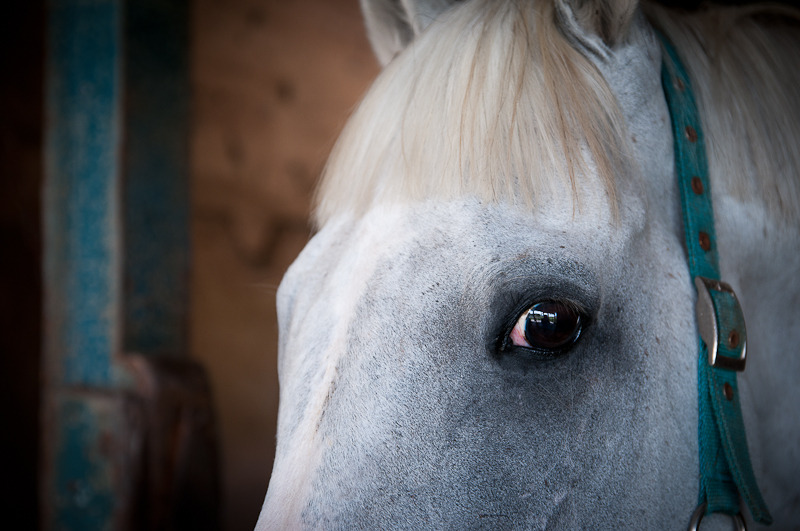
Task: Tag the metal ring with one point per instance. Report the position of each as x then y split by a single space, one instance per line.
700 512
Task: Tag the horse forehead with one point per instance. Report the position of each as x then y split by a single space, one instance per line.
354 265
433 237
453 227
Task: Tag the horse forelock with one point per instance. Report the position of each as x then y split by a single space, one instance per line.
492 102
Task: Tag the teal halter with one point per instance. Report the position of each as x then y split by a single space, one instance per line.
725 468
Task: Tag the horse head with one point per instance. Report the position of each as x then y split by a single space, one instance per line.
494 325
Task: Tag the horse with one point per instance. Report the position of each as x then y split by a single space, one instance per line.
494 323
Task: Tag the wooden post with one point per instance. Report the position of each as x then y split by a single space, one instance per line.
127 417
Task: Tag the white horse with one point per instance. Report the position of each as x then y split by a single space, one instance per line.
516 157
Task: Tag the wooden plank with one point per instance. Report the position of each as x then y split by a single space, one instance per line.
81 191
156 173
89 486
129 439
82 261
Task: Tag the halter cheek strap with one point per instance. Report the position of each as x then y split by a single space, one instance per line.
725 468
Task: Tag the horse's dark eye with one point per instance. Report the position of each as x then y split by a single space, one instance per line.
548 326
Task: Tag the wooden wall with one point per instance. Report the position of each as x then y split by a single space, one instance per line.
273 83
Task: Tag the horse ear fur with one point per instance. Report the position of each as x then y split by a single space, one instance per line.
592 24
596 24
393 24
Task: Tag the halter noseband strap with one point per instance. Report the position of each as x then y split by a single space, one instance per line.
725 468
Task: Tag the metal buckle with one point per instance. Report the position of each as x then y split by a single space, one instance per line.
697 515
717 326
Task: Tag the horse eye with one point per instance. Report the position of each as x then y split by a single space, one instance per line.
548 326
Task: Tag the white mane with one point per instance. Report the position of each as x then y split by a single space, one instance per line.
744 67
493 102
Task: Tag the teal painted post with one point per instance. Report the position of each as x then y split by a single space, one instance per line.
82 264
115 204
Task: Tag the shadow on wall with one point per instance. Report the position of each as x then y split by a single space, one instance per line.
21 68
273 84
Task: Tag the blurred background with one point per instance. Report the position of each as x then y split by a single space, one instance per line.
271 84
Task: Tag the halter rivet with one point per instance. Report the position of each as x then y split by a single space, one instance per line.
705 241
691 134
679 84
697 185
727 390
733 339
